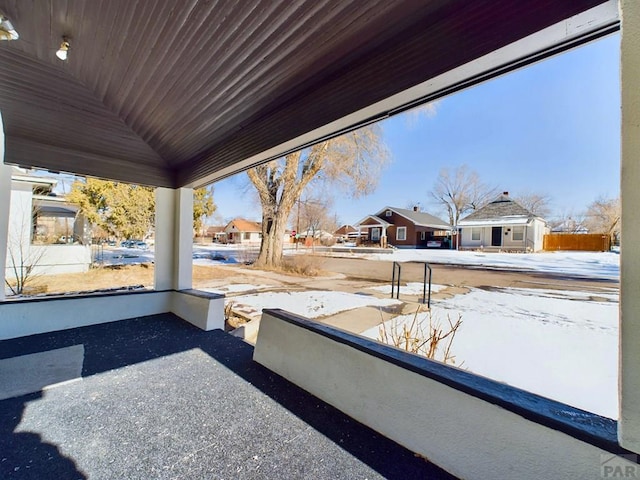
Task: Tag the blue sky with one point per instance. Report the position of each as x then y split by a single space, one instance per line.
551 128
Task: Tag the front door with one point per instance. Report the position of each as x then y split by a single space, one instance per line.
496 236
375 234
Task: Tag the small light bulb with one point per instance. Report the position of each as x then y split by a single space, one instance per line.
63 50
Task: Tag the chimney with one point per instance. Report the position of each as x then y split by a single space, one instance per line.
416 208
506 194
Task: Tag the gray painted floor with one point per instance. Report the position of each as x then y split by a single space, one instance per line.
159 399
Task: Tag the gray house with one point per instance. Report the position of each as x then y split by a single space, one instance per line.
503 224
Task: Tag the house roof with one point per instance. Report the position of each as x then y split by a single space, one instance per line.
243 225
503 210
422 219
46 207
378 220
175 94
344 230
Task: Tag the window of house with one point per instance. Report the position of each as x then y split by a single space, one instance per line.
423 235
247 235
401 234
517 233
387 213
475 234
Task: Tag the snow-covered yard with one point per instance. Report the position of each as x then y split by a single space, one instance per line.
310 304
582 264
559 344
556 343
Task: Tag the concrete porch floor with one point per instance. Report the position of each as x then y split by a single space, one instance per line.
159 398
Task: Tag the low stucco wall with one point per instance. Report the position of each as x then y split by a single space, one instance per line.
58 259
466 435
202 309
52 259
19 318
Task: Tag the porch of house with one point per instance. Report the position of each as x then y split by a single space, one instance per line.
155 397
148 395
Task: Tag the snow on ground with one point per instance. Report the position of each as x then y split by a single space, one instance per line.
236 288
561 347
556 343
123 256
411 288
312 304
583 264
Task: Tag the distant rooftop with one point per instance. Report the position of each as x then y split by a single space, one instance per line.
502 208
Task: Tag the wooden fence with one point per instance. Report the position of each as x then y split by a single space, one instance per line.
591 242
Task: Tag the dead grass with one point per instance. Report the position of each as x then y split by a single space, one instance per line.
113 277
303 265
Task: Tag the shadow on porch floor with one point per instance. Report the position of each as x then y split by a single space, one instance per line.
159 398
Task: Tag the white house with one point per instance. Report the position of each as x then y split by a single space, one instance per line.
503 224
36 227
243 231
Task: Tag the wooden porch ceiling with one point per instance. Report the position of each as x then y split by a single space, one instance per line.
174 93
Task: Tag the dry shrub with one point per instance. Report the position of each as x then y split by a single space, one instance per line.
431 339
231 320
306 265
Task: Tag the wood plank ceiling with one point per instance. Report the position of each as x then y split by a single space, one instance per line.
169 92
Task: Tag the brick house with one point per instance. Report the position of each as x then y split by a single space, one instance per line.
405 228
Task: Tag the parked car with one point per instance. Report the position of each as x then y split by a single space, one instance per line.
141 245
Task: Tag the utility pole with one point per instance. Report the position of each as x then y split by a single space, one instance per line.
298 224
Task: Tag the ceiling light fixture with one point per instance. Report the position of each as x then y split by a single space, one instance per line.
7 32
63 51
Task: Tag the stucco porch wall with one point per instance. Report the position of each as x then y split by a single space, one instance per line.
464 429
20 318
56 259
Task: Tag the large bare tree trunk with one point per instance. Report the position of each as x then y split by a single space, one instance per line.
353 159
278 191
273 230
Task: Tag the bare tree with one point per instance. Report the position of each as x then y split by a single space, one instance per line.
603 216
460 191
23 257
314 213
352 162
428 110
536 203
568 222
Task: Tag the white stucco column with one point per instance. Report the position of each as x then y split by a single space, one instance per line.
629 423
173 239
5 201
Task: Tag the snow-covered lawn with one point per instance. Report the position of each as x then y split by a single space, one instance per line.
583 264
554 343
559 344
411 288
236 288
311 304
